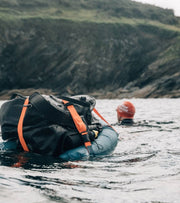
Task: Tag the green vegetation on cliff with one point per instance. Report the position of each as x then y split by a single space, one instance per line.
108 48
85 10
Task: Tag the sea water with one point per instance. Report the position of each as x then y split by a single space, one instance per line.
145 166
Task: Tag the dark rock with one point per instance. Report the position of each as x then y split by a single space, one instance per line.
129 57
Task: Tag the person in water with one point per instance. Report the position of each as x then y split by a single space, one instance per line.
125 113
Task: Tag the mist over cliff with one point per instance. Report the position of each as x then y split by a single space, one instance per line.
105 48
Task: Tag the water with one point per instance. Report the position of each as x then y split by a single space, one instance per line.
145 167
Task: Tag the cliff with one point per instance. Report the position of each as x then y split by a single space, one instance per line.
105 48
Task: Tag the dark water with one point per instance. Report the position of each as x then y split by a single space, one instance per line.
145 167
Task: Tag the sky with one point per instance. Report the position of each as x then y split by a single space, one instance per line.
171 4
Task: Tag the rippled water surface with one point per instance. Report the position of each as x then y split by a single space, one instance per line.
145 166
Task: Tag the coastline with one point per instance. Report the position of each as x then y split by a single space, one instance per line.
102 94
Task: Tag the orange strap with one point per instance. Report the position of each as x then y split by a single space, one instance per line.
95 111
81 127
21 161
20 126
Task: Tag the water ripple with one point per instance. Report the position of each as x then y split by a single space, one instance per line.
144 168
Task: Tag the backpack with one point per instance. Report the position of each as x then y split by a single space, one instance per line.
49 125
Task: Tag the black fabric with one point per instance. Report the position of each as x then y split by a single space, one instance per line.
54 114
127 122
82 102
48 127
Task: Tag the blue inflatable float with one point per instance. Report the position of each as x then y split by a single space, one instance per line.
103 145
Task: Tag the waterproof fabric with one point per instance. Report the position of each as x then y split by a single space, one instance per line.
105 144
45 131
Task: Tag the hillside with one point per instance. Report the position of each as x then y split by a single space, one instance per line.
106 48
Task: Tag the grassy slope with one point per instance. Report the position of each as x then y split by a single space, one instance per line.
97 11
114 13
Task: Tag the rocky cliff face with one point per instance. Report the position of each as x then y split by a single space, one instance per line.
115 58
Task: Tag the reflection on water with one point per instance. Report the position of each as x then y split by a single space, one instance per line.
145 167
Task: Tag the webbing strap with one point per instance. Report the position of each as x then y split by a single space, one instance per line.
81 127
95 111
20 126
75 101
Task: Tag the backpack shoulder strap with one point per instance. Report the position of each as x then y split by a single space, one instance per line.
81 127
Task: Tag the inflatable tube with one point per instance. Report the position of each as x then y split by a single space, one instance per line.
103 145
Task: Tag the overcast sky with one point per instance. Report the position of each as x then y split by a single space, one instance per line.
172 4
